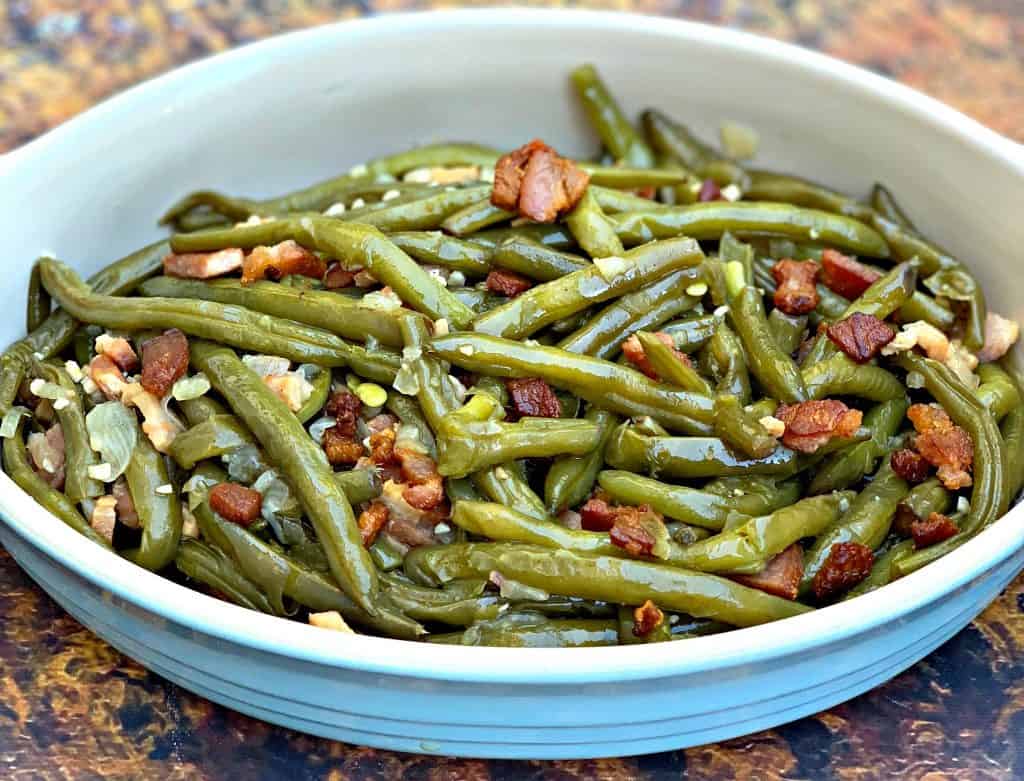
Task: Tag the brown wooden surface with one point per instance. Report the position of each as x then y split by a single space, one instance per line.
72 707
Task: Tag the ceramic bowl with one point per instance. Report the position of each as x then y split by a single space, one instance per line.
272 116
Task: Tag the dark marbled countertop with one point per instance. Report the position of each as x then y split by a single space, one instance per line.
73 707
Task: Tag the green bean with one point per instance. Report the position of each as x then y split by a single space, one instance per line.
613 201
668 367
683 193
997 392
317 398
884 297
787 330
712 220
675 140
544 304
921 306
783 188
689 505
434 211
434 390
615 176
848 466
867 521
1013 436
505 484
570 479
280 575
475 217
690 457
387 552
753 494
226 323
604 578
691 333
592 229
442 606
158 508
215 436
603 334
774 369
212 567
615 131
529 631
466 447
57 331
201 409
883 202
550 235
535 260
359 485
907 245
613 387
746 548
324 309
360 245
18 468
839 376
740 430
990 494
883 571
37 306
301 463
927 498
409 413
437 249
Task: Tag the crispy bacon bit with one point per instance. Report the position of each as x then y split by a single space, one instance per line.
538 184
371 521
635 354
860 336
103 519
204 265
919 333
281 260
425 487
943 444
936 528
597 515
164 360
381 422
709 191
810 424
336 277
646 619
532 397
126 513
344 406
507 283
846 276
236 503
382 446
47 452
119 350
796 293
911 466
1000 335
157 422
108 378
407 524
632 529
781 575
848 563
341 448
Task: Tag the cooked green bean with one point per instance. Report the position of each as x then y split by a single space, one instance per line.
787 330
740 430
997 392
317 397
437 249
529 631
773 368
157 505
689 505
215 436
883 202
475 216
723 358
38 304
212 567
535 260
839 376
927 498
691 333
571 478
783 188
619 137
593 231
668 366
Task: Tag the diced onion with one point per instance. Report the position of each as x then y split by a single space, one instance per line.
188 388
113 433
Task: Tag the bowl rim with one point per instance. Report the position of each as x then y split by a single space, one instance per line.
259 632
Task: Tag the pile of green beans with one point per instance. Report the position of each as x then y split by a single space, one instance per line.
658 484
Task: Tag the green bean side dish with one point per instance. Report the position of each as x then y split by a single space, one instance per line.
462 396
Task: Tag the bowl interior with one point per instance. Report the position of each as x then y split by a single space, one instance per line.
287 112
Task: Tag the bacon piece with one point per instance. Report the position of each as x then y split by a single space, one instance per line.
596 515
336 277
709 191
371 521
634 352
632 531
1000 335
408 524
911 466
341 448
126 513
781 575
507 283
204 265
538 184
119 350
236 503
107 376
281 260
860 336
291 387
846 276
848 563
646 619
164 361
344 406
47 452
810 424
943 444
381 422
796 293
425 486
532 397
103 519
158 424
935 528
382 446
